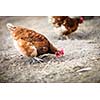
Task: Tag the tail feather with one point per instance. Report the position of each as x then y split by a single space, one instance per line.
10 26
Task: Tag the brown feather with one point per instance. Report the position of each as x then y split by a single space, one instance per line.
27 39
70 24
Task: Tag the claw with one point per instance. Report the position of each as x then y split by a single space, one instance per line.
38 59
34 60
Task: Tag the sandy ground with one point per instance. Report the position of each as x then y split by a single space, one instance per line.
81 62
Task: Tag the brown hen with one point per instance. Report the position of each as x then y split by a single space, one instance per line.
31 43
65 25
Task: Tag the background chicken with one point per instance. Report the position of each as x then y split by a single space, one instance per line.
64 25
30 43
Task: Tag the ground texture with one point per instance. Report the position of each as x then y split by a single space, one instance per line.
81 62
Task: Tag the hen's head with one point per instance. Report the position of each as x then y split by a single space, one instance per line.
59 53
81 19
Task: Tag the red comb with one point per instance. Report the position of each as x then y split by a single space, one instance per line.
81 19
60 53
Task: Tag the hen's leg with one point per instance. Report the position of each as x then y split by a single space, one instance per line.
65 36
38 59
34 60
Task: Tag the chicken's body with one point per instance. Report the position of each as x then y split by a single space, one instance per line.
64 24
30 43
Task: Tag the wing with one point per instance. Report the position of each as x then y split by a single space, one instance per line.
70 24
38 40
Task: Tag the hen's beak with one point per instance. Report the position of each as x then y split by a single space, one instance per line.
10 27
